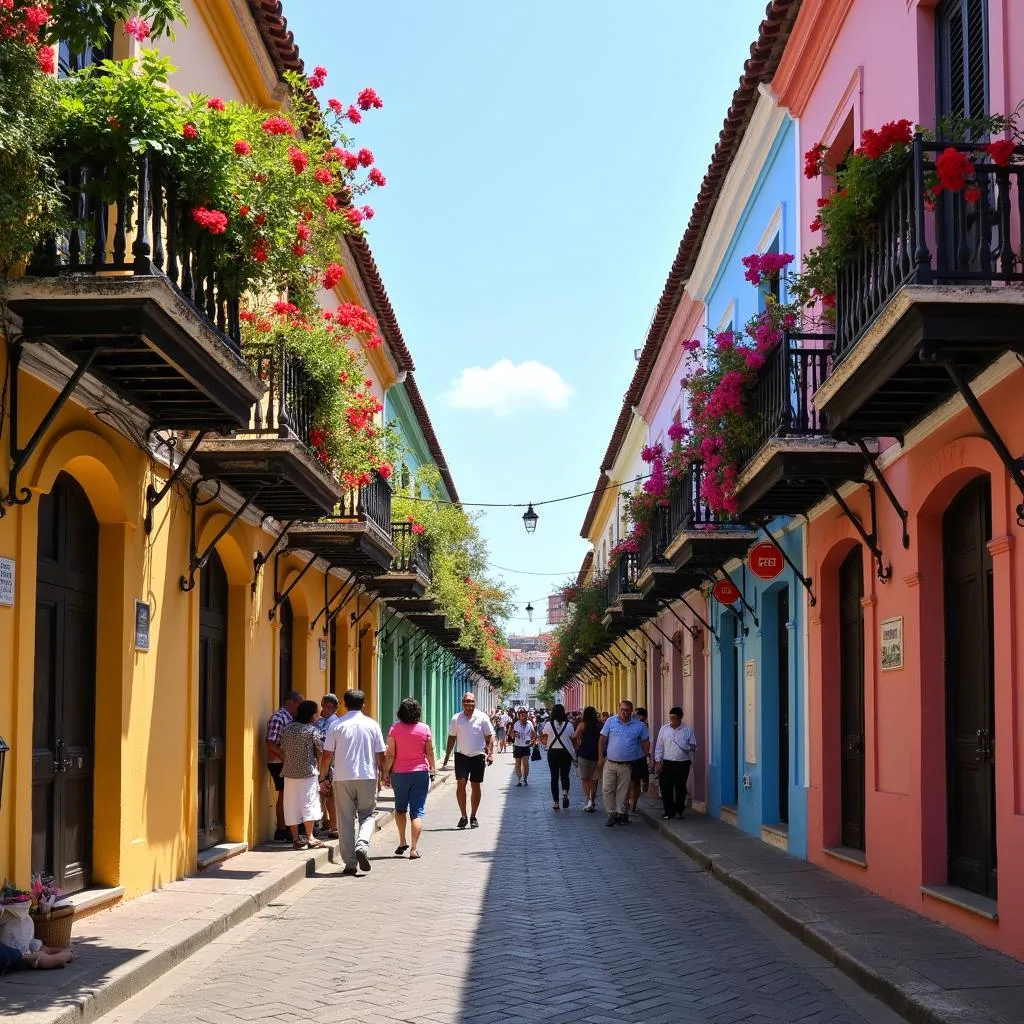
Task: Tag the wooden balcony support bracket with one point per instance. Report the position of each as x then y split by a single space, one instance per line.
805 581
883 571
356 618
692 630
743 596
279 597
700 618
260 559
1015 467
197 561
20 455
869 458
153 495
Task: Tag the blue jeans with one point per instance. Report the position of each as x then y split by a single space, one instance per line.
410 789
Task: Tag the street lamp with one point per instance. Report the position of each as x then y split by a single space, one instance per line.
529 612
3 761
530 518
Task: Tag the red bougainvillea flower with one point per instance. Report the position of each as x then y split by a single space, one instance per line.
1001 151
973 194
318 78
324 176
953 169
367 212
353 115
47 63
353 216
213 221
260 219
260 250
242 148
376 177
113 122
278 125
812 160
189 130
336 106
385 470
244 210
333 274
417 528
247 317
137 28
874 144
815 224
283 308
299 159
365 157
299 249
350 160
303 232
331 202
316 437
216 103
368 98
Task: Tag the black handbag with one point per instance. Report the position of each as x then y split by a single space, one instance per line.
535 756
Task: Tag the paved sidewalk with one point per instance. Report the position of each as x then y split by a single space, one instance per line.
534 917
122 950
927 972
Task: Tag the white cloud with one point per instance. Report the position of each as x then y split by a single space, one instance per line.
508 387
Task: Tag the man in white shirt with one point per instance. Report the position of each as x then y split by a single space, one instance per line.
524 736
357 747
673 755
473 732
503 722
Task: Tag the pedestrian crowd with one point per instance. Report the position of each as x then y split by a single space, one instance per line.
328 767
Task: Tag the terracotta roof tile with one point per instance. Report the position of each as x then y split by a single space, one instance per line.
759 67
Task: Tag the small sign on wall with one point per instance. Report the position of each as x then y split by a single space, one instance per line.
750 712
892 644
7 582
323 655
688 665
142 619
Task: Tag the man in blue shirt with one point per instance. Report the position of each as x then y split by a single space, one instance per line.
623 740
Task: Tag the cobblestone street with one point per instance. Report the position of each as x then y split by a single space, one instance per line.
525 919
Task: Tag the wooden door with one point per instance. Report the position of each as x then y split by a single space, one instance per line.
851 697
284 665
783 647
213 692
63 725
970 690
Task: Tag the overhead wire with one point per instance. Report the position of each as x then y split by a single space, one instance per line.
527 504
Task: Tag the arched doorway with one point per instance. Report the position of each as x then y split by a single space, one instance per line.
285 639
63 725
970 689
213 689
851 697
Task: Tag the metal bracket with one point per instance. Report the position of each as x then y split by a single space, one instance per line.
280 598
713 579
20 456
743 596
329 602
869 458
423 639
700 618
805 580
153 495
636 647
671 641
1015 467
196 561
337 609
689 629
260 559
629 655
882 571
386 621
356 618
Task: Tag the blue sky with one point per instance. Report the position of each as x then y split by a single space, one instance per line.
542 161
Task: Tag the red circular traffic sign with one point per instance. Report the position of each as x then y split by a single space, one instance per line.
765 561
725 592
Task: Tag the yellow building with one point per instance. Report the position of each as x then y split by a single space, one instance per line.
154 606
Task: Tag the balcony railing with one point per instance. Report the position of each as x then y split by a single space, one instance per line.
287 407
622 577
781 398
656 538
413 556
971 243
163 242
370 503
687 509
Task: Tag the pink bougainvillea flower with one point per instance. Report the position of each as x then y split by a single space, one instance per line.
368 98
137 28
242 148
385 470
303 232
365 157
278 125
213 221
336 106
189 130
333 273
323 175
318 78
376 177
367 212
298 158
216 103
331 202
353 216
353 115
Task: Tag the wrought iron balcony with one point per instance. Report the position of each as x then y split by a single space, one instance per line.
622 577
655 539
287 407
412 556
405 583
792 459
930 298
370 503
687 509
130 290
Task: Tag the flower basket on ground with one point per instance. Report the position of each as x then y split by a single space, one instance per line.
53 929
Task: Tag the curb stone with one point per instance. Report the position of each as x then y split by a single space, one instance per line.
91 1003
920 1001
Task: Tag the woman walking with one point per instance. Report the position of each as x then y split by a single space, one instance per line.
408 769
557 740
585 739
301 746
524 735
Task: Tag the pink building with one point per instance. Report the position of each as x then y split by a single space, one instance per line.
915 669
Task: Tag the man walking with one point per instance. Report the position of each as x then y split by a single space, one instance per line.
357 747
328 716
275 757
673 755
474 734
624 740
524 735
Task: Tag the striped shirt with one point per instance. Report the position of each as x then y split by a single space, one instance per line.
275 726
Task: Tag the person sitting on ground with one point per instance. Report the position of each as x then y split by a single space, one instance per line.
45 958
301 747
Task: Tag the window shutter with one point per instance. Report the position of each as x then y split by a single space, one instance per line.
962 58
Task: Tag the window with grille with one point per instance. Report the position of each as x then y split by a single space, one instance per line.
962 59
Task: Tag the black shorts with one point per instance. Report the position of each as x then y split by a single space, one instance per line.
275 773
640 770
518 752
471 768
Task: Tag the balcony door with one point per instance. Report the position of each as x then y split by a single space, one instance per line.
285 639
961 34
782 642
63 725
213 694
851 697
970 690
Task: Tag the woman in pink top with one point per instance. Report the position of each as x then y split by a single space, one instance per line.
408 770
